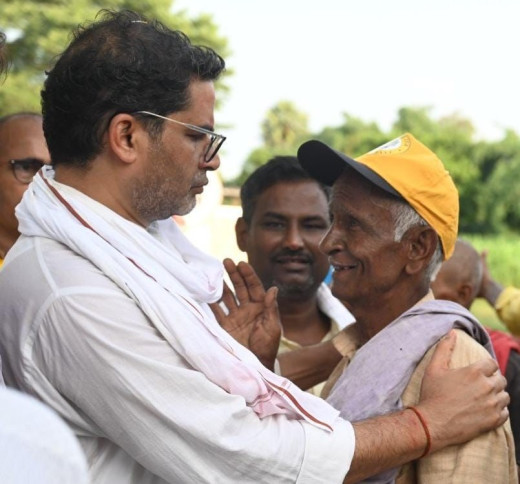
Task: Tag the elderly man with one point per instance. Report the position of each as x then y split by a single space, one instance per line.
395 218
23 152
104 303
285 215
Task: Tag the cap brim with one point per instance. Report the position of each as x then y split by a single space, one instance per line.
326 165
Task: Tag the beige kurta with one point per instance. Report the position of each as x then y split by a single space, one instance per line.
487 459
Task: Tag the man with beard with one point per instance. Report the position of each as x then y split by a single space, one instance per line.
285 214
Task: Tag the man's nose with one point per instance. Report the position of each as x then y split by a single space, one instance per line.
330 241
293 239
211 165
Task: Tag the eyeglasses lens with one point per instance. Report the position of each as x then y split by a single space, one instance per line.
24 170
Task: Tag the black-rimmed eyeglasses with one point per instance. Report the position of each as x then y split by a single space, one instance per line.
25 169
215 140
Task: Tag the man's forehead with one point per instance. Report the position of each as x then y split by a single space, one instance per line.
21 138
353 200
18 127
292 196
295 189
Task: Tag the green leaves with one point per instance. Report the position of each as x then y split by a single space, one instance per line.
486 172
38 30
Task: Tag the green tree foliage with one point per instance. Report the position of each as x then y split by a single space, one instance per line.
38 30
353 136
498 193
283 130
283 126
486 173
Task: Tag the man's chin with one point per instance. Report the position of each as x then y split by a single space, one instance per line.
186 206
295 291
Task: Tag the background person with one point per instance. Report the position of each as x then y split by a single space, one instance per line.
35 444
505 300
23 151
285 214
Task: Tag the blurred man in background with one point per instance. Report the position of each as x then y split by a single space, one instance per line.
285 214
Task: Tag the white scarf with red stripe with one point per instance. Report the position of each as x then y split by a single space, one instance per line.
171 281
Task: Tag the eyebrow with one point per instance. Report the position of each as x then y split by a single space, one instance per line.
274 215
207 127
305 217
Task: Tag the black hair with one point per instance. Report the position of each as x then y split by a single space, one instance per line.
277 169
122 63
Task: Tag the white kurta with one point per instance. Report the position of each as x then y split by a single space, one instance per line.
74 339
36 447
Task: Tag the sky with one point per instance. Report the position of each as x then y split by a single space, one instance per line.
367 58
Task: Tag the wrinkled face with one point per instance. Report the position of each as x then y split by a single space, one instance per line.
367 262
289 220
175 171
20 138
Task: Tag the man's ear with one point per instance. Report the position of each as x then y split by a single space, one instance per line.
465 295
422 242
125 137
241 231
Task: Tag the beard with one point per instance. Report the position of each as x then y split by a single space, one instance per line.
295 290
153 203
292 286
162 192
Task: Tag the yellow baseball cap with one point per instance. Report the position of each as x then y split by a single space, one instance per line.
403 167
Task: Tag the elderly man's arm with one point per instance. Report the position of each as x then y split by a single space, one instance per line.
487 458
452 416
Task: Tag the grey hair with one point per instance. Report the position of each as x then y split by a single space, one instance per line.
405 217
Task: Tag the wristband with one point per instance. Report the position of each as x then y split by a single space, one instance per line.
426 431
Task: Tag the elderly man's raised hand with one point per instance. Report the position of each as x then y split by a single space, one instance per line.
250 315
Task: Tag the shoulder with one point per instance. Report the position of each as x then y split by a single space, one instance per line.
41 267
466 351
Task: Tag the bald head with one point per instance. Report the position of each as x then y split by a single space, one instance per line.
21 138
460 276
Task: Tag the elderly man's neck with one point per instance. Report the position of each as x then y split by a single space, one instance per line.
374 315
